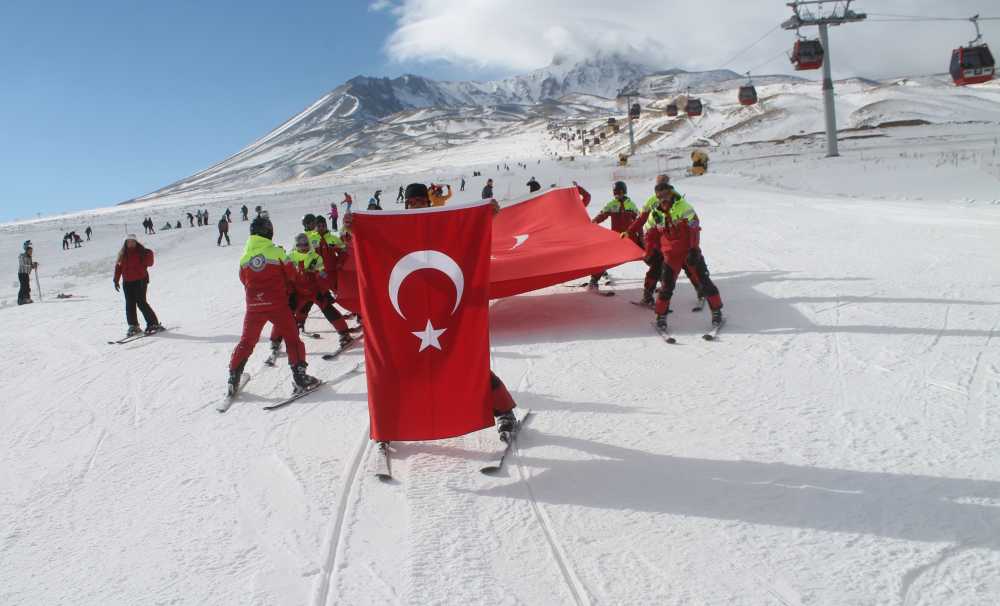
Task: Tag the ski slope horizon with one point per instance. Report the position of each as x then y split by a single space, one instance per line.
839 443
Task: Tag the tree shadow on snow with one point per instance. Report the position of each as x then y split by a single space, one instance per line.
909 507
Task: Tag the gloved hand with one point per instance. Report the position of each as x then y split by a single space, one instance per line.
693 255
117 288
623 235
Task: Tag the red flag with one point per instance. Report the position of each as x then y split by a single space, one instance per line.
549 239
423 279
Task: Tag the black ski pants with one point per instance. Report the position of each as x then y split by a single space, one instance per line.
223 234
23 293
135 296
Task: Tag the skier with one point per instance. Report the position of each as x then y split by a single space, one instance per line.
373 204
178 226
347 201
267 277
488 190
191 219
312 285
399 196
652 219
66 241
437 195
25 265
134 259
533 185
679 243
503 403
245 212
197 216
77 240
223 232
622 212
88 231
204 215
334 215
461 186
229 216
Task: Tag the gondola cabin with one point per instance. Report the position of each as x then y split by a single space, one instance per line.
807 54
672 110
693 107
634 111
748 95
972 65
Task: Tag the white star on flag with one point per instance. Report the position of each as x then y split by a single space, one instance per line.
429 336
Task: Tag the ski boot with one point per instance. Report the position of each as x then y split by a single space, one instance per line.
345 338
234 380
152 329
133 331
275 347
647 298
302 380
661 322
506 424
593 285
716 317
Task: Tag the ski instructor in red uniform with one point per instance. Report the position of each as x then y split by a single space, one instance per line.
267 278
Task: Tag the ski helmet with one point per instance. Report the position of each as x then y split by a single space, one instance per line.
27 245
309 221
321 220
301 241
261 226
619 187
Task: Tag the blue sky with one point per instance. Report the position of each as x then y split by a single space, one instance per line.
106 100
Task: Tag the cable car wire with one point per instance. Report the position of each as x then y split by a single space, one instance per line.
755 43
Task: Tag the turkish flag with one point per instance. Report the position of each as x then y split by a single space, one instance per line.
548 239
423 281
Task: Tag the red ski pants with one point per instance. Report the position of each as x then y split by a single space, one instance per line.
502 400
283 326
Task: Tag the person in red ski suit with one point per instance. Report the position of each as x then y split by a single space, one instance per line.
680 241
267 279
416 196
622 212
651 219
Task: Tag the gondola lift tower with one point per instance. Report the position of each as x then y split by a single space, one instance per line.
805 17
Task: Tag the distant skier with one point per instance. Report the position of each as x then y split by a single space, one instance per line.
204 215
88 231
533 185
132 269
373 204
334 215
399 196
229 215
488 190
267 278
77 240
178 226
503 404
245 212
461 186
679 243
437 195
223 232
348 201
65 241
191 219
25 265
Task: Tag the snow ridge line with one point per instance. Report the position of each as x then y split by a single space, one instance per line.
332 546
572 581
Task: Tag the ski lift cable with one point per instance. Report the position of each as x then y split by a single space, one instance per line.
755 43
891 17
781 53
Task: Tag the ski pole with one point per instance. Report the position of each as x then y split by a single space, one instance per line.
38 283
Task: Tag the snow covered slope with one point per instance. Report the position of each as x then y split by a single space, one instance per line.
840 443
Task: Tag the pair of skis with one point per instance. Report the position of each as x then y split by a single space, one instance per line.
136 337
383 457
708 336
298 393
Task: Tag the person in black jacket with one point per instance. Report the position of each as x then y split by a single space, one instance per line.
488 190
223 232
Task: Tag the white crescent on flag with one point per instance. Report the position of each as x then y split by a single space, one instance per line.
425 259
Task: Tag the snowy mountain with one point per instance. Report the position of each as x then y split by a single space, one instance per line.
372 126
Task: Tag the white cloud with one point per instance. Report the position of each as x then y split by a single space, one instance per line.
519 35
